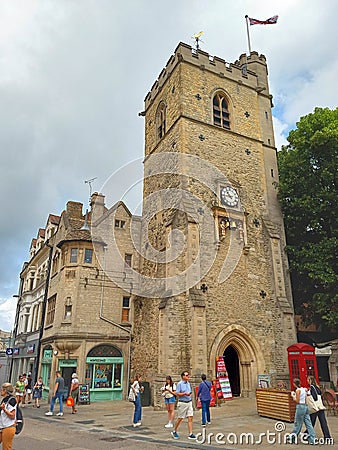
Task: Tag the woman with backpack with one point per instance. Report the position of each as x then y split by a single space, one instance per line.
7 416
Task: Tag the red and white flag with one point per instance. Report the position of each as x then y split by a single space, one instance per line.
270 21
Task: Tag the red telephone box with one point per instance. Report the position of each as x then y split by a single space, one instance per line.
302 363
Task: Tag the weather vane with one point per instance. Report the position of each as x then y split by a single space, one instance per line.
197 37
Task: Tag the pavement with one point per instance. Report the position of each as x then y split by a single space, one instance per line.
234 425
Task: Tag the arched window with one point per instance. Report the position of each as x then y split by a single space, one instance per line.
104 368
220 111
105 350
161 120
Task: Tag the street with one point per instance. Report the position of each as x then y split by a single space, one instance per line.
108 425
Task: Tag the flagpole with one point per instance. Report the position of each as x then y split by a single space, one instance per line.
248 34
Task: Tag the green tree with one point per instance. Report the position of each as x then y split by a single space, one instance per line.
308 194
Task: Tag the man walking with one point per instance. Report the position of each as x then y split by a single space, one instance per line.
58 393
184 405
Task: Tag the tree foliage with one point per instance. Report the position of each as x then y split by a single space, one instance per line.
308 194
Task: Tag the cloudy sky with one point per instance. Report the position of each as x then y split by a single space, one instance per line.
74 74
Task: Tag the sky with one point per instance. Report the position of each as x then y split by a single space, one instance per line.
74 75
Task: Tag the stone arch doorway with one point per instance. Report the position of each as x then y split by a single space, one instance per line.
235 341
231 361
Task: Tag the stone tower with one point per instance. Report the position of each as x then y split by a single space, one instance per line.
214 275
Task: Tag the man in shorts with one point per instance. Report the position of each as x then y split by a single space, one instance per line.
184 405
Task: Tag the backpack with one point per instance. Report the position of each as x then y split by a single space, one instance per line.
19 420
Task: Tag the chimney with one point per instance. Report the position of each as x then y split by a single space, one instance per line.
97 206
74 210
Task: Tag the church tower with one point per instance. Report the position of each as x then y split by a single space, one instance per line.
214 273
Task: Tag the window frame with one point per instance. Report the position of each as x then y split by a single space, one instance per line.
221 114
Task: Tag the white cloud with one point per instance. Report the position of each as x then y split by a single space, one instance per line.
7 313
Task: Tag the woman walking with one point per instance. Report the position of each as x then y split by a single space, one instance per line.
302 413
315 391
205 397
7 416
37 392
74 391
169 394
137 389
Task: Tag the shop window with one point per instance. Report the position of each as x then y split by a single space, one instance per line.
50 310
73 255
125 309
88 255
104 368
220 111
127 260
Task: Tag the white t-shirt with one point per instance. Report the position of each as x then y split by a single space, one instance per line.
6 421
75 381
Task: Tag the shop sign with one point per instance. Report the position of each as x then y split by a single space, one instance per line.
47 355
67 362
30 349
16 351
99 360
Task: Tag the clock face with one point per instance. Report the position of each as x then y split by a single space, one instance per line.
229 196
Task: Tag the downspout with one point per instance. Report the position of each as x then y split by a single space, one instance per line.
111 322
44 308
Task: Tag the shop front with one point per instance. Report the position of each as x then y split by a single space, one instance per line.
104 373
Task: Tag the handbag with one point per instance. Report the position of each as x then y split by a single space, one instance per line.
70 401
131 396
315 405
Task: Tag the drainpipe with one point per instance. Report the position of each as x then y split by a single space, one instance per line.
44 308
111 322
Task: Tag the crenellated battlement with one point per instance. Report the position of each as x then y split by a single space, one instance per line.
250 70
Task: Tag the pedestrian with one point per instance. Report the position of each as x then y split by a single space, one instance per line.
24 379
74 391
57 394
204 395
302 413
169 394
28 389
19 389
315 391
137 389
184 405
7 416
37 392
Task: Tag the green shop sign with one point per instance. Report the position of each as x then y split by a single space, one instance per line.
67 363
98 360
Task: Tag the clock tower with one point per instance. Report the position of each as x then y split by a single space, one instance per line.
214 273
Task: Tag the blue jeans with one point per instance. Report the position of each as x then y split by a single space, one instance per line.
52 402
302 415
205 411
138 409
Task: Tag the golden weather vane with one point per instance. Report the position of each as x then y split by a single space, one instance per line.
197 37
